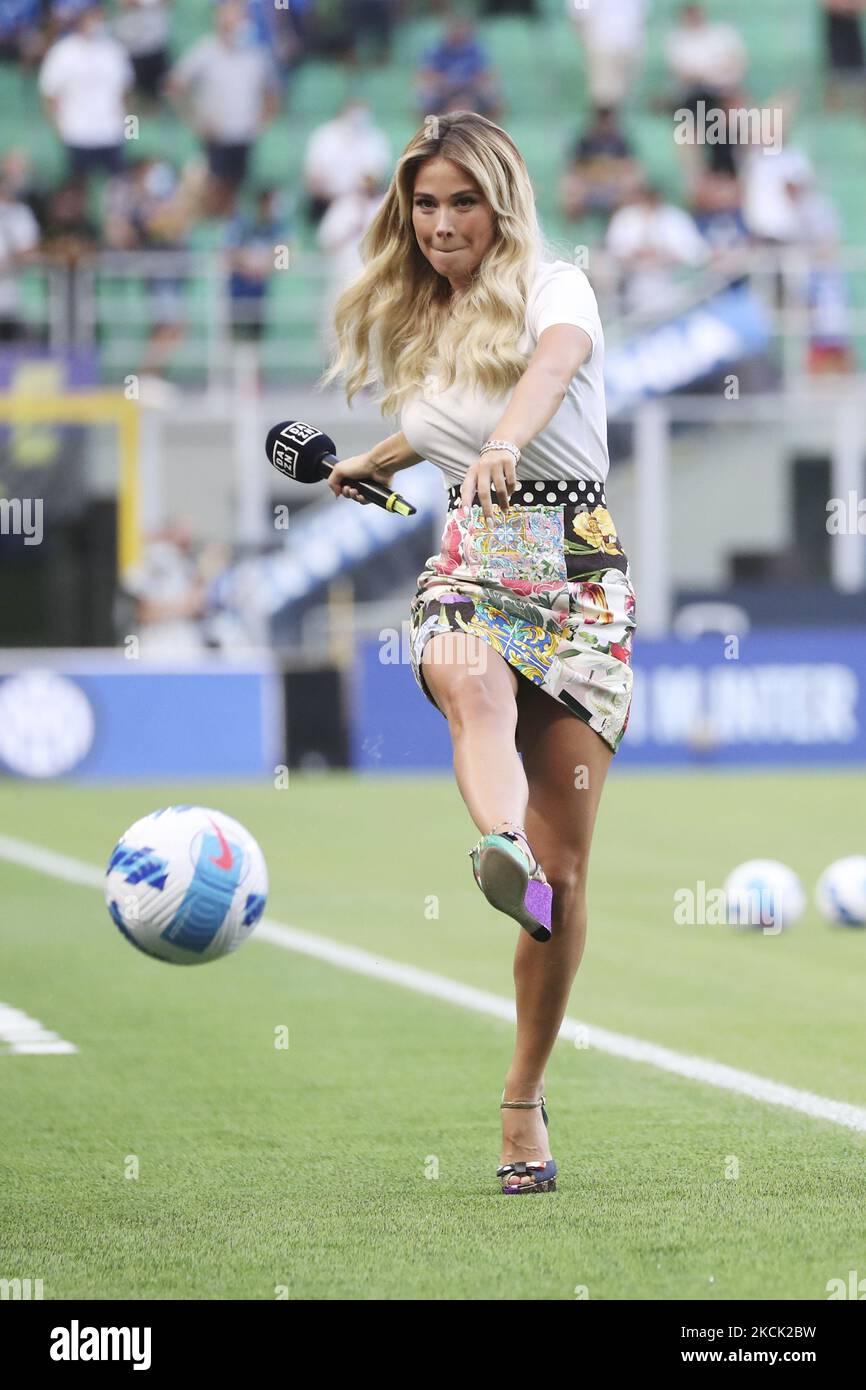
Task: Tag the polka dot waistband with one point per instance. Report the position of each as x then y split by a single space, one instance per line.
534 492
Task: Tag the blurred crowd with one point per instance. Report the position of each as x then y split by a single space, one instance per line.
740 193
95 65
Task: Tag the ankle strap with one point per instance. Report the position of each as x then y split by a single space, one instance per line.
508 825
520 1104
511 831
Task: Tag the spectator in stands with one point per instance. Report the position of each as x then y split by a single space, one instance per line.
613 36
369 28
650 241
170 593
768 175
275 30
717 207
455 75
299 17
603 171
783 207
149 210
826 290
787 209
85 80
21 38
254 243
16 171
231 84
707 59
70 234
340 234
19 239
340 154
846 59
143 27
719 143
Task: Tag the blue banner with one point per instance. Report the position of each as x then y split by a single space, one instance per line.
783 697
75 715
718 333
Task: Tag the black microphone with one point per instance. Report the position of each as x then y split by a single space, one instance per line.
306 454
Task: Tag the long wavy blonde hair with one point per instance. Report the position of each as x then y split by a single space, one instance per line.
396 323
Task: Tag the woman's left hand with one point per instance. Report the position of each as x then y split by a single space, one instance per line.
493 477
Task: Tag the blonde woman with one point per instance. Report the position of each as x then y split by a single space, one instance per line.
490 357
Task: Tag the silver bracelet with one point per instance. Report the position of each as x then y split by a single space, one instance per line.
501 444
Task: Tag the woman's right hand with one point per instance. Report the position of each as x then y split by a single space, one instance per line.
359 466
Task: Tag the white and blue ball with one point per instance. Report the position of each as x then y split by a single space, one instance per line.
186 884
841 892
764 894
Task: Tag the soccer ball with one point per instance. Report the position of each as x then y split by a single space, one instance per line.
841 892
763 893
186 884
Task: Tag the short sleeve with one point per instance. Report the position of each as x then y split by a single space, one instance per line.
126 68
24 230
51 74
269 74
562 294
192 65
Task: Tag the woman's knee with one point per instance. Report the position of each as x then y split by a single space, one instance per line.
468 691
566 872
469 699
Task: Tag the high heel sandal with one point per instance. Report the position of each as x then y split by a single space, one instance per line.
512 880
543 1174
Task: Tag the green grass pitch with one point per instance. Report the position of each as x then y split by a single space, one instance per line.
358 1163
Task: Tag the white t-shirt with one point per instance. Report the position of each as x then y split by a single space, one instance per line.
341 232
712 55
145 29
768 209
166 575
449 427
342 152
669 232
19 233
666 229
87 77
614 24
229 86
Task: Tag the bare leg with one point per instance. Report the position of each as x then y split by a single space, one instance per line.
220 197
554 792
566 764
475 689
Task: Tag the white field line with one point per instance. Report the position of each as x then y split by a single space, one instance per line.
479 1001
26 1034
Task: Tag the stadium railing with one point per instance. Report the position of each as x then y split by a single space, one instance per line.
110 305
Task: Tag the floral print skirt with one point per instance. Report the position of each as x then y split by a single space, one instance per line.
547 586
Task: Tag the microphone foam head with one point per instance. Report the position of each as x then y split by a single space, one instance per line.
296 448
